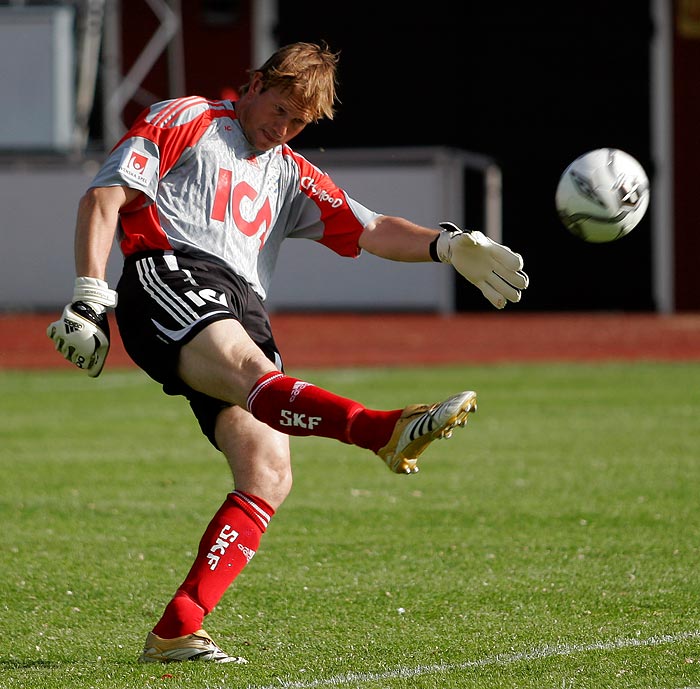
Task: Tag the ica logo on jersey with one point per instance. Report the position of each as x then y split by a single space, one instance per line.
241 199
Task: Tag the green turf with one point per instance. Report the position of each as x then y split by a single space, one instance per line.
552 544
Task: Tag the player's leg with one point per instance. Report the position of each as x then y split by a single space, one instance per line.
259 456
223 362
189 321
260 462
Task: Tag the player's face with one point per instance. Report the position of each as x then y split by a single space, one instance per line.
271 117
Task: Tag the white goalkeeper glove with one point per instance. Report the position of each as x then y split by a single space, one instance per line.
493 268
81 334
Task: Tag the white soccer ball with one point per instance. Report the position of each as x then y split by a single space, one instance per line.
602 195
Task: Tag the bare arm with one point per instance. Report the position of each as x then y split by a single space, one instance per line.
493 268
81 334
98 213
397 239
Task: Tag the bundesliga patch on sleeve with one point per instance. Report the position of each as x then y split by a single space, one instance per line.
138 166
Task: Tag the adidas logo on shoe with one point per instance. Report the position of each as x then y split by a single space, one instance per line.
419 425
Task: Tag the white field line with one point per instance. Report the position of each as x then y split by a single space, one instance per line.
548 651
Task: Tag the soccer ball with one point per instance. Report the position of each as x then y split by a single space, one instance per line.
602 195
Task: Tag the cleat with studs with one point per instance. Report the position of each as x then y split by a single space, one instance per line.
419 425
198 646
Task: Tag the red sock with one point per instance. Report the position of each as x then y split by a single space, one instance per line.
299 408
228 545
372 429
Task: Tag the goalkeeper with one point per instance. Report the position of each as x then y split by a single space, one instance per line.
201 194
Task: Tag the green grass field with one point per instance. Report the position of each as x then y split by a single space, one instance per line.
552 544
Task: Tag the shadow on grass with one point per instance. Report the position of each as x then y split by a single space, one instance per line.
10 664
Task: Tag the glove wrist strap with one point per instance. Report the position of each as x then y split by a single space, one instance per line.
443 250
95 291
433 250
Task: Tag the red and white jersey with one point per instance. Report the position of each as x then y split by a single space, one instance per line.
207 193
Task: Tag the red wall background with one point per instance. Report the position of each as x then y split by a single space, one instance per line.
217 42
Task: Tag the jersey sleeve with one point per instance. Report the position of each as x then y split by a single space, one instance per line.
154 144
324 211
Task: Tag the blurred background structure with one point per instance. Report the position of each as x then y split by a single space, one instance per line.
474 116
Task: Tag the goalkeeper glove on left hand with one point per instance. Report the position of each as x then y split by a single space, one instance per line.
81 335
493 268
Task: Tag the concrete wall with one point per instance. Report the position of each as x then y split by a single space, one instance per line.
38 205
37 78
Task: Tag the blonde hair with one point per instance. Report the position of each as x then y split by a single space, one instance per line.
305 71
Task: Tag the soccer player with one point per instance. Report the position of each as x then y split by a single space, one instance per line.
202 193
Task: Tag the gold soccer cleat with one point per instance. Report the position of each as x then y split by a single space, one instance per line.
419 425
197 646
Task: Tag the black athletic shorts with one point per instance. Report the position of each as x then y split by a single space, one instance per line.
165 299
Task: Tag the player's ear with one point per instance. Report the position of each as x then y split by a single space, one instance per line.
256 83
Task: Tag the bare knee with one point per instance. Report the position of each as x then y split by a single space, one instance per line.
271 481
258 455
